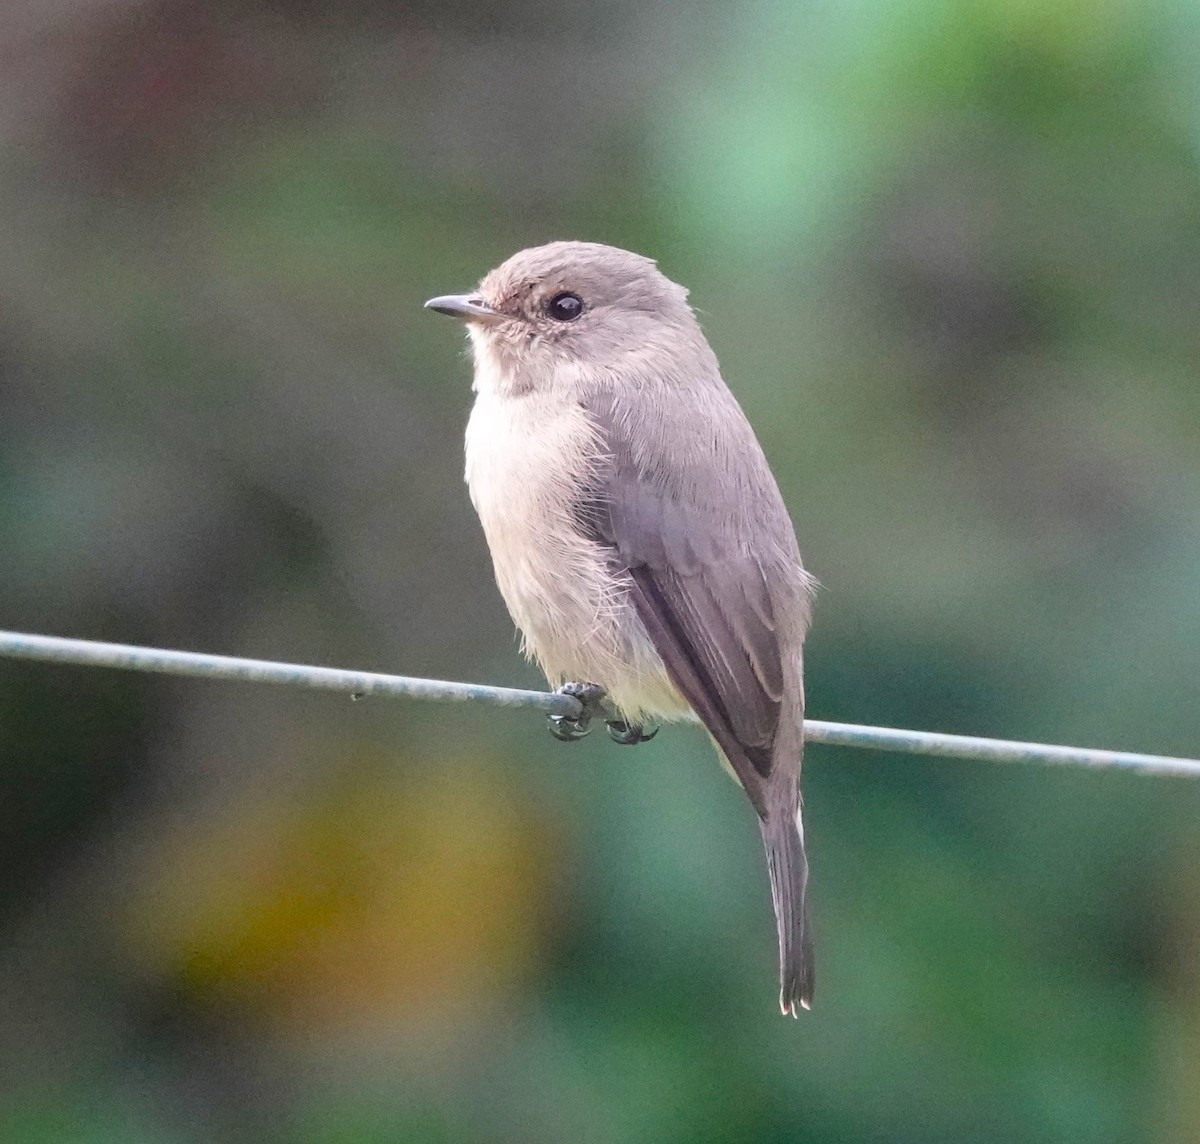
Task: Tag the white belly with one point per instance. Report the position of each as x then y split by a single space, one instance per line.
525 455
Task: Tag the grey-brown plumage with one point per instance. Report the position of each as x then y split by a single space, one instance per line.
638 536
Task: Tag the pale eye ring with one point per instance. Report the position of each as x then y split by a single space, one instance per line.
564 307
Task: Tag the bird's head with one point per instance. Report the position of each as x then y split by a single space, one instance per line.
570 306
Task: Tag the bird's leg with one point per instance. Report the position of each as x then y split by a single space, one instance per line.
630 734
590 697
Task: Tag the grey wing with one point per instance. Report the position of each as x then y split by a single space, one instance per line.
664 504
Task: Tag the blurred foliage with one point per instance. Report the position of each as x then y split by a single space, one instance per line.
949 254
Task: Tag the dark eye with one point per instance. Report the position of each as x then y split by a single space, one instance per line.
565 307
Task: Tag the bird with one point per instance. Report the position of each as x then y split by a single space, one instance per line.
638 536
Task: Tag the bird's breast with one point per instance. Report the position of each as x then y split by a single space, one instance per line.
528 459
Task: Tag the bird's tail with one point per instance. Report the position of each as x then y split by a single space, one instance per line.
783 837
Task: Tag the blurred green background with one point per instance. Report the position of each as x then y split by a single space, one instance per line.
948 252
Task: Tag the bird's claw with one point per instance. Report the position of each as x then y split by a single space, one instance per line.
590 696
629 734
565 729
568 729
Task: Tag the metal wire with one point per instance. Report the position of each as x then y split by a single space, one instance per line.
55 649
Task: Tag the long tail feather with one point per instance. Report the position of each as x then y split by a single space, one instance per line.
783 838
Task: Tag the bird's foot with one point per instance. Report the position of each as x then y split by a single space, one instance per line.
630 734
590 697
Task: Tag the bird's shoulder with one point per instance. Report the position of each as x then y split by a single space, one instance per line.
682 478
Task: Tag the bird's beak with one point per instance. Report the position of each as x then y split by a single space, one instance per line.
470 307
